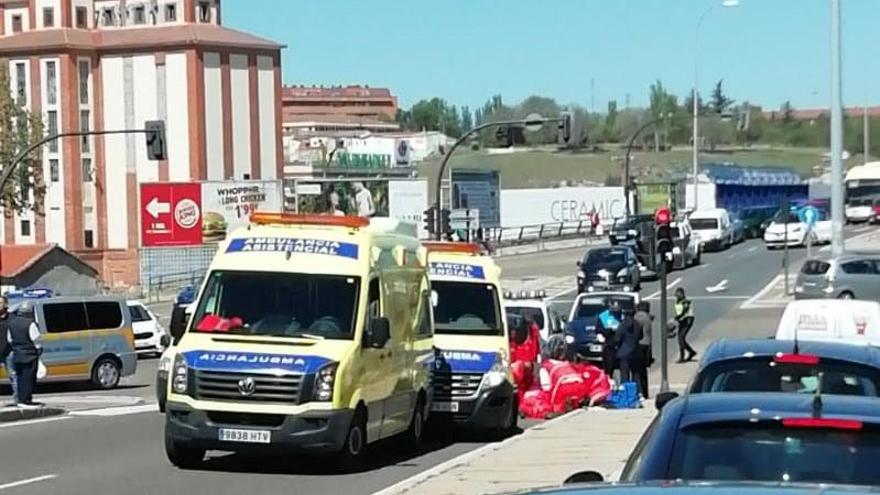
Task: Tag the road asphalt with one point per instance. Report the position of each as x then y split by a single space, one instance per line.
113 450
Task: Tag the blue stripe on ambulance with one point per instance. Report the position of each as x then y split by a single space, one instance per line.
466 361
251 362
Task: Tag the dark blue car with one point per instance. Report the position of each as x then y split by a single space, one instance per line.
580 333
683 488
761 437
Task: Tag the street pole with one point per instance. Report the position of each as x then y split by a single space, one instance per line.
837 217
786 208
664 339
866 130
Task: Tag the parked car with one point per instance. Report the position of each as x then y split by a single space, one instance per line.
148 331
849 276
851 322
798 233
781 366
714 228
755 220
580 332
738 227
686 246
577 487
859 210
609 268
534 305
761 437
629 229
876 208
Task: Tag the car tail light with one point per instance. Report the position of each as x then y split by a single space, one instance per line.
796 359
835 424
877 209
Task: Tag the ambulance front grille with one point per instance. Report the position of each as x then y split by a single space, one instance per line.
452 386
224 386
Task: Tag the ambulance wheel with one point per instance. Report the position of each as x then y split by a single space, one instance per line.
416 431
352 453
184 457
508 427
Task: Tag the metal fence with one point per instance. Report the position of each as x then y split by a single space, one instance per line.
526 234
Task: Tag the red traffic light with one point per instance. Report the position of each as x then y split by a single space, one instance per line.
662 216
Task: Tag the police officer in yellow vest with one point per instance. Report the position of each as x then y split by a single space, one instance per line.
684 319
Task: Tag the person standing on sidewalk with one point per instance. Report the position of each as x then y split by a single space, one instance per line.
645 356
24 338
6 348
684 318
626 338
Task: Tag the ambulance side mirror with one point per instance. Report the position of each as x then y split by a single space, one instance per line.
380 332
165 341
584 477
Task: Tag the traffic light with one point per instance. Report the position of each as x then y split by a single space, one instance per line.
444 221
663 231
155 131
565 124
430 220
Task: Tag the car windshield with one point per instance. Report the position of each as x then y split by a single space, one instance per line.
534 313
278 305
589 308
765 375
466 308
138 314
604 258
769 451
704 223
860 202
786 217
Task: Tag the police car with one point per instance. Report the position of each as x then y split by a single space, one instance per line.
534 305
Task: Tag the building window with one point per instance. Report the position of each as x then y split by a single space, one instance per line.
54 174
25 228
16 23
204 12
171 12
84 69
48 17
21 83
87 169
108 17
84 117
82 14
89 239
52 129
139 15
51 84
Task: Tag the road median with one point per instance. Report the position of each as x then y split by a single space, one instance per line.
13 413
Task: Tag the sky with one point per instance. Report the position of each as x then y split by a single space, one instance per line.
584 52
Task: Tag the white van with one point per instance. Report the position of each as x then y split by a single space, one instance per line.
713 227
850 321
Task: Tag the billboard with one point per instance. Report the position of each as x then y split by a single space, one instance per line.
480 190
521 207
194 213
407 201
227 205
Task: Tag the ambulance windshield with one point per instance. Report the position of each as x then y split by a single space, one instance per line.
272 304
466 308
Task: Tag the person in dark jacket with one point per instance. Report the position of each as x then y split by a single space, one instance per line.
23 336
606 327
645 356
684 319
5 348
627 338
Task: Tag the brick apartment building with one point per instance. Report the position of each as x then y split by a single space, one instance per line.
113 64
336 108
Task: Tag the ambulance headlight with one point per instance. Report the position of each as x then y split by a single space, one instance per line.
497 374
179 375
324 382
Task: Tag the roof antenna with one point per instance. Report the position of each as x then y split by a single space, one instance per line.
817 397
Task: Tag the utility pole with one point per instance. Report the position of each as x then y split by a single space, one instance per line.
866 130
837 241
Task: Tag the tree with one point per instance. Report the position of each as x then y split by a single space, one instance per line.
478 117
609 132
20 129
787 112
434 115
663 105
467 120
720 101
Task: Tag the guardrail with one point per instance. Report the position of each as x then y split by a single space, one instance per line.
170 283
510 236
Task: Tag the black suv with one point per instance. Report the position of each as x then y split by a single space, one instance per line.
609 268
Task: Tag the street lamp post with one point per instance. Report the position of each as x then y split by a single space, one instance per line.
836 136
695 95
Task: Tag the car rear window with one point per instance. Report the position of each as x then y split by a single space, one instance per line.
769 451
765 375
534 313
815 267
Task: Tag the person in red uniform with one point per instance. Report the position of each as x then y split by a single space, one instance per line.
524 349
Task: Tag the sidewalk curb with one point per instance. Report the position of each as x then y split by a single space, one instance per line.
444 467
9 415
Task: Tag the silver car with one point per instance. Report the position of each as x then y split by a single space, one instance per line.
850 276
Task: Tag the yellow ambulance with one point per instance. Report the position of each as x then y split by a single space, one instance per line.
310 333
472 383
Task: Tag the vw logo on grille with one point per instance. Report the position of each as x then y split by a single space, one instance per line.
466 381
247 386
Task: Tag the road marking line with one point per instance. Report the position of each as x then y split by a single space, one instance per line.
117 411
45 477
753 248
668 286
418 479
753 303
722 286
16 424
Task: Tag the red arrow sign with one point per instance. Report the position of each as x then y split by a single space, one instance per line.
171 214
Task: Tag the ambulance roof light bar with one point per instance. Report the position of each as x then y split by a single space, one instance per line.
453 247
266 218
525 294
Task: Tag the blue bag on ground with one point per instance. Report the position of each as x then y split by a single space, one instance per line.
625 397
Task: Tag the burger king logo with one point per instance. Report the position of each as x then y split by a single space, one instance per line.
186 214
